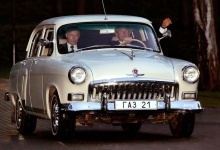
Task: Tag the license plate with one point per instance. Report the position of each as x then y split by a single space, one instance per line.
135 105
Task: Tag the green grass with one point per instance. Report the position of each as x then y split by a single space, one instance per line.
209 98
4 72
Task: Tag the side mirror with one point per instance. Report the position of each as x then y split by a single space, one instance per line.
44 42
166 34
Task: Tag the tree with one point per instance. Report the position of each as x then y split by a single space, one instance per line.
59 11
208 60
81 7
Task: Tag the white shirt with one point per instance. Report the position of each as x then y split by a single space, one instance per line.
70 49
162 30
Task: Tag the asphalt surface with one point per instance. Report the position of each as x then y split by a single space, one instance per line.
206 135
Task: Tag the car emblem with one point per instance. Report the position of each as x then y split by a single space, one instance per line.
135 73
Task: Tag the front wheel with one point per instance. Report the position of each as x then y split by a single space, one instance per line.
25 124
182 124
62 125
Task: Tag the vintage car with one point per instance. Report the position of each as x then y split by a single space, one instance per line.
101 82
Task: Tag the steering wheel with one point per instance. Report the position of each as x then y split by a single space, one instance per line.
136 40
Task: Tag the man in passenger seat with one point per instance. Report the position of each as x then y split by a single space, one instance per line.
72 36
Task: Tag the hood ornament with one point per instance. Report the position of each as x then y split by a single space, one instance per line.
135 73
132 54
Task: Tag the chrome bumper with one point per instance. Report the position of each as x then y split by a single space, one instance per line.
193 106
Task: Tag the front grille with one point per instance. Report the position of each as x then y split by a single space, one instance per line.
132 90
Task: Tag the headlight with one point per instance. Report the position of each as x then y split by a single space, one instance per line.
190 74
77 75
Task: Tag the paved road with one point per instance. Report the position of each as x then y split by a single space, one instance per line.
206 134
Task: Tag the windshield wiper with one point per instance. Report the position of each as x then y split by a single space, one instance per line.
104 46
140 47
130 56
92 47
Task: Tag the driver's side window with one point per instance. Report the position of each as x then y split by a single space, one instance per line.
35 47
48 49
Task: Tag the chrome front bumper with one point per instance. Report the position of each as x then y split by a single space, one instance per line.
181 105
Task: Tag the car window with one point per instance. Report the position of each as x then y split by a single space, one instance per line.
35 47
48 49
92 34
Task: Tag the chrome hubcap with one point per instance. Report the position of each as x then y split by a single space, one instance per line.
19 112
55 115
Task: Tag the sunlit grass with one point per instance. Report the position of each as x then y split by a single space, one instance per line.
209 98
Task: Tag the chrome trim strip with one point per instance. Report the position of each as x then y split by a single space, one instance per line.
130 79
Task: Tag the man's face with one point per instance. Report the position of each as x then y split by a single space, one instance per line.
72 37
122 33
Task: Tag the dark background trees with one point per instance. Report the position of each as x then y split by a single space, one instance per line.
183 44
207 53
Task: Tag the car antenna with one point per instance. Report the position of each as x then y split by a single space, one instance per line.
104 10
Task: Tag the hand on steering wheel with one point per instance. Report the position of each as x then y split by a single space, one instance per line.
131 40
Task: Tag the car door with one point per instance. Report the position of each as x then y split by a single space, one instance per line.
25 70
30 75
37 71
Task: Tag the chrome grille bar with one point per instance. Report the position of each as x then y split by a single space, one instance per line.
133 90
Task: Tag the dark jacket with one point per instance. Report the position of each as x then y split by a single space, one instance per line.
63 49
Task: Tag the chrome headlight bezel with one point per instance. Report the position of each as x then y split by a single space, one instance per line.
190 74
77 75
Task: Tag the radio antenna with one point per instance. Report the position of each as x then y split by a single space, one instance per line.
104 10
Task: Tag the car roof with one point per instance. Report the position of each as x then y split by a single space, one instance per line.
94 18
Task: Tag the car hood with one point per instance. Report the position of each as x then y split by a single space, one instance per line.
111 64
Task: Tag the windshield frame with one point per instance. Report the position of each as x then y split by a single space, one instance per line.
109 26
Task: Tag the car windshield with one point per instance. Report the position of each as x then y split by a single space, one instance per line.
72 37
